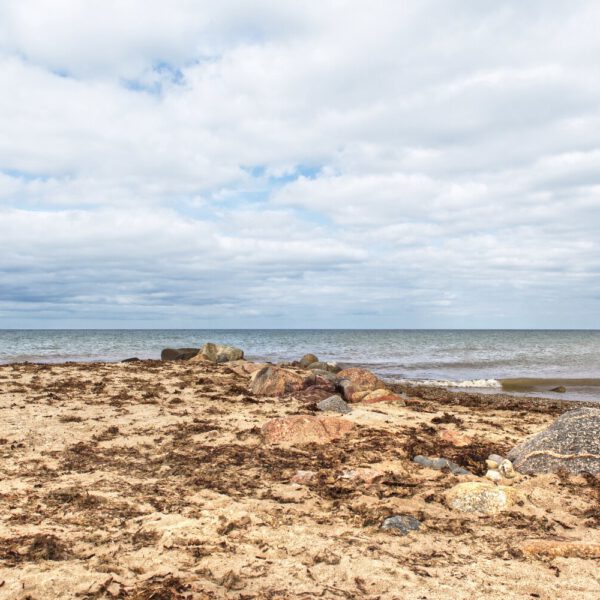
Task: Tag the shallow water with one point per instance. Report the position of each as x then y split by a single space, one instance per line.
473 359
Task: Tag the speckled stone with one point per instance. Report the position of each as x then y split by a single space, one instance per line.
571 443
483 498
439 464
404 524
334 404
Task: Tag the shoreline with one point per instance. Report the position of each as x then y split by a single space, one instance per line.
124 480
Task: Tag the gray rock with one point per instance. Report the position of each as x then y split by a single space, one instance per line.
178 353
561 389
334 404
402 523
220 353
324 374
496 458
439 464
571 443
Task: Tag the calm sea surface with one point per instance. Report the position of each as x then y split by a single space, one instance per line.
516 360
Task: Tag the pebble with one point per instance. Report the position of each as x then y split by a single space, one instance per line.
507 470
493 461
493 475
439 464
402 523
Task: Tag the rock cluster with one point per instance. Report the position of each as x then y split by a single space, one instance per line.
209 352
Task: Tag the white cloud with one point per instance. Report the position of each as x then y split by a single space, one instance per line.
402 164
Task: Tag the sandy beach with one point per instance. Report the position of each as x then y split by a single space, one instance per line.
154 480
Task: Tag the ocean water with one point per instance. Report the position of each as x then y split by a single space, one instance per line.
516 361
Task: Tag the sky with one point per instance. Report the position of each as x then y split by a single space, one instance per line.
285 164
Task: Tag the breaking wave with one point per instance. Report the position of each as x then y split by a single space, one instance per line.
447 383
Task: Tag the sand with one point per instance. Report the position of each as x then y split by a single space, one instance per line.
151 480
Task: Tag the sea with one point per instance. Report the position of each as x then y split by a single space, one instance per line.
531 362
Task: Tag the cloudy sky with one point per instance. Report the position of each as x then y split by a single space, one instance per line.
291 164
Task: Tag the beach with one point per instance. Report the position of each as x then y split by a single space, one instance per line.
155 479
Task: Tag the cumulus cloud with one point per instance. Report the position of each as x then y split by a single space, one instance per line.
405 164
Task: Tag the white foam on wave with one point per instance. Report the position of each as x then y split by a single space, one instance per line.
447 383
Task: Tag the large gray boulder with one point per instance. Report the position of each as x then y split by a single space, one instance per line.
571 443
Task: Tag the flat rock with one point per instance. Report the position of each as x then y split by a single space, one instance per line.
305 429
560 549
571 443
479 497
273 381
334 404
404 524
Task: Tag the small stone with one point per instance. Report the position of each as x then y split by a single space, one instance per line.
304 477
491 464
365 474
334 404
479 497
493 475
493 461
455 437
507 470
404 524
439 464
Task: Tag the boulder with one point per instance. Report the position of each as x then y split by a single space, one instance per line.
312 394
478 497
178 353
273 381
361 379
380 395
220 353
245 367
317 376
305 429
323 366
334 404
346 389
571 443
307 359
403 524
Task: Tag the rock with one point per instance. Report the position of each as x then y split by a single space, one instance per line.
379 396
334 404
245 367
307 359
322 379
506 469
304 477
312 394
479 497
346 388
560 549
361 379
364 474
305 429
455 437
273 381
178 353
439 464
493 475
493 461
571 443
324 366
219 353
561 389
401 523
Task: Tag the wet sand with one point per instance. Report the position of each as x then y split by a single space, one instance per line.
151 480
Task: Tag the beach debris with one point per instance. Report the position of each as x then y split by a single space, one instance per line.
306 360
480 497
305 429
367 475
560 549
334 404
273 381
178 353
493 475
304 477
403 524
571 443
439 464
455 437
